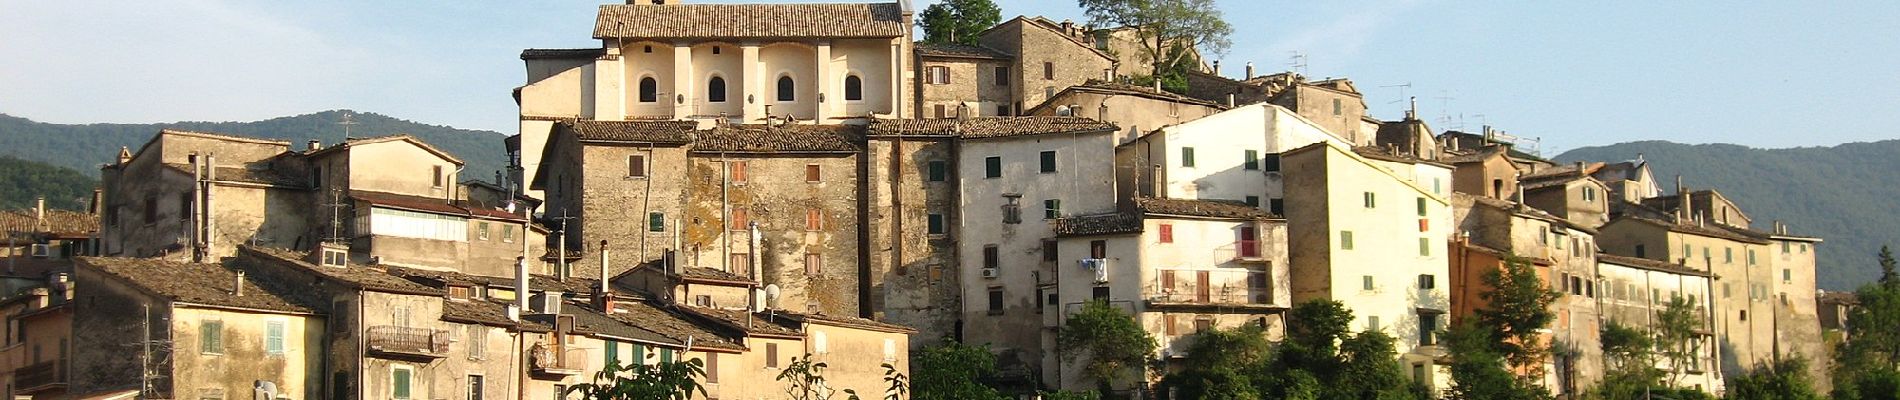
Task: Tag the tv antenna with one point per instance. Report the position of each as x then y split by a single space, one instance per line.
346 122
1403 87
1297 62
336 216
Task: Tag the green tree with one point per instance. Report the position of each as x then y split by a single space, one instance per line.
1321 359
1517 306
959 21
1676 340
1782 380
1162 24
953 371
1478 369
1109 342
1867 365
1225 363
1887 273
676 380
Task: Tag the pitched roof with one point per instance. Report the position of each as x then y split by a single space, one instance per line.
1648 264
847 321
773 322
1099 87
591 320
485 313
536 54
1100 224
431 205
357 276
1710 231
727 21
787 138
354 142
436 278
988 127
673 323
1556 176
1200 208
954 50
712 274
206 284
663 132
23 222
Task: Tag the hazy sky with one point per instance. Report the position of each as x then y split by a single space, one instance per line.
1573 73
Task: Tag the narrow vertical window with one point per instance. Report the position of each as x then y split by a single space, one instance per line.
1273 162
1050 250
440 178
1187 157
399 382
787 90
738 219
814 220
814 264
990 256
936 224
996 301
1051 209
1167 233
274 337
1002 76
738 171
1371 200
712 367
1251 160
649 90
637 166
211 337
813 173
1345 240
853 88
1421 206
656 221
1048 162
716 89
1048 70
992 167
936 171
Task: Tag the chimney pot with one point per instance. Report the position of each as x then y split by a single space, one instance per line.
1216 67
1249 74
315 145
237 287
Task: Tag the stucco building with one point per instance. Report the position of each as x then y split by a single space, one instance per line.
1563 254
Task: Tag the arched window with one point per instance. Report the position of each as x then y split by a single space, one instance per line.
786 89
853 88
649 90
716 90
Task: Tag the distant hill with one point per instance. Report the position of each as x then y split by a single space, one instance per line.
21 181
1848 195
84 147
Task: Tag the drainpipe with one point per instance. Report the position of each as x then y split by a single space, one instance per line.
197 214
725 209
521 283
210 220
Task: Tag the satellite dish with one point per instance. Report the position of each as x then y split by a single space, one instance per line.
771 296
1064 111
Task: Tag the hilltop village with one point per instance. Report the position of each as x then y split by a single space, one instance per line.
828 188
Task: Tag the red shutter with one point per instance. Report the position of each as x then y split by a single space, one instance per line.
1167 233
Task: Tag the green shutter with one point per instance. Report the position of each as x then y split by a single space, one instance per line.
1252 160
274 337
1187 156
656 222
399 383
666 356
211 337
613 353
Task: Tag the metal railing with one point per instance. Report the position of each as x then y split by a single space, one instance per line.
1223 286
548 359
407 340
42 375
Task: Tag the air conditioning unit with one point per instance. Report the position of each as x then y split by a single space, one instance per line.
989 273
42 251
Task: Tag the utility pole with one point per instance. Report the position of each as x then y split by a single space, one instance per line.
561 255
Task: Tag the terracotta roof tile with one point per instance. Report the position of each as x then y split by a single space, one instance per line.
665 132
430 205
1649 264
534 54
673 324
855 322
1090 225
1200 208
953 50
988 127
208 284
24 224
589 319
693 21
789 138
713 274
485 313
770 322
359 276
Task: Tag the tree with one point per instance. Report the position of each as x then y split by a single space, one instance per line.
1676 340
959 21
1781 380
1321 359
1224 365
1517 306
1110 341
1162 24
953 371
676 380
1887 273
1478 369
1867 366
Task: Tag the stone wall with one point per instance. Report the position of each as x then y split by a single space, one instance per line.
911 278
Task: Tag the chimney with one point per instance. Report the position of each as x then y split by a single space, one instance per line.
237 288
1068 27
39 212
315 145
514 313
601 295
1579 168
521 284
1216 67
98 202
1411 114
1249 74
1230 100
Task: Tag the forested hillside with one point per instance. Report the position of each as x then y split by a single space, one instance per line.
1846 194
21 181
84 147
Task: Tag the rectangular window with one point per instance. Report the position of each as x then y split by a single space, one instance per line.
656 221
637 166
508 233
741 264
184 206
1249 245
474 387
1166 232
996 300
1012 209
399 382
814 220
439 176
1167 322
1187 157
481 231
1099 293
151 210
211 337
274 337
611 353
1639 252
1251 160
1371 200
1345 240
937 75
813 173
1051 209
935 224
1787 275
1427 327
990 256
1002 110
1048 162
1372 322
1002 76
712 367
1427 281
1728 255
1365 283
1424 247
1051 250
1252 201
771 355
1785 247
814 265
477 342
1276 206
738 171
936 171
1421 206
560 392
1048 70
738 219
1273 163
1203 323
992 167
940 111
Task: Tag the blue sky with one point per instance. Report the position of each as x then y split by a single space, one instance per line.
1572 73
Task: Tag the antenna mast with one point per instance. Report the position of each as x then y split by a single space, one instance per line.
346 122
336 216
1297 62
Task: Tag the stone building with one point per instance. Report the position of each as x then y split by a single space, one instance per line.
173 329
1569 192
826 63
1484 172
1178 266
1333 103
1563 254
37 351
1629 181
1046 56
1346 229
154 198
1232 155
1138 110
911 184
956 80
49 234
1635 289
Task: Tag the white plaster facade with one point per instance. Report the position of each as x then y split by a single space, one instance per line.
1220 145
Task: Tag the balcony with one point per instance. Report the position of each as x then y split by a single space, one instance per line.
551 360
47 375
1230 288
1097 267
1241 251
403 342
